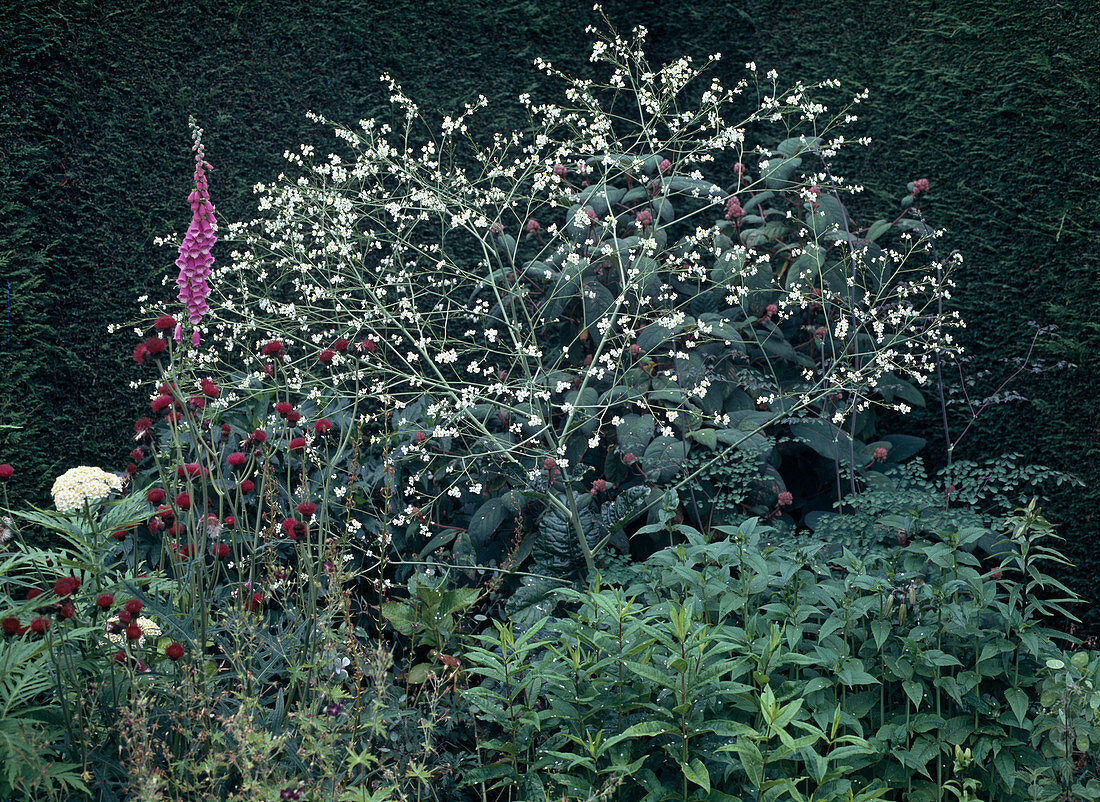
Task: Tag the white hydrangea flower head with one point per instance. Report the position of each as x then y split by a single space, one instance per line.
76 485
116 631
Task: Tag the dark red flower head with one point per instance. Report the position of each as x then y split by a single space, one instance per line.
33 593
365 347
323 426
297 443
161 402
39 624
133 632
164 323
326 355
283 407
293 417
104 600
236 459
259 436
120 534
173 651
154 495
133 606
143 428
247 486
66 612
6 471
272 348
10 625
307 508
220 550
183 501
294 529
155 345
66 586
141 353
209 389
341 345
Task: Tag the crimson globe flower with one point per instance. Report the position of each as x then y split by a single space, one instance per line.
66 586
220 550
6 471
326 355
134 606
283 408
154 495
247 486
104 600
307 508
133 632
66 611
183 501
164 323
341 345
323 426
173 651
273 348
39 624
297 444
236 459
10 625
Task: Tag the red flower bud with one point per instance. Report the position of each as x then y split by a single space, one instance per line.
104 600
173 651
326 355
133 632
133 606
236 459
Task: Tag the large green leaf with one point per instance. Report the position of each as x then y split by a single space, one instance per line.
556 551
635 433
626 506
663 459
826 439
485 521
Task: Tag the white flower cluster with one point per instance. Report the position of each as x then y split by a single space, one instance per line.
76 485
116 632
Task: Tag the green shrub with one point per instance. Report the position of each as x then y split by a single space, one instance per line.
740 668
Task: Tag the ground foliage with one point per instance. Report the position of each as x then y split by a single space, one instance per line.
990 101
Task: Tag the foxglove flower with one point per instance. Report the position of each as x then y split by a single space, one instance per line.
195 259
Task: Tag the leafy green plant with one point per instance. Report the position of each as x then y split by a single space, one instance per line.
729 667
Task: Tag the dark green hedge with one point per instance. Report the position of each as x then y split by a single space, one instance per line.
995 102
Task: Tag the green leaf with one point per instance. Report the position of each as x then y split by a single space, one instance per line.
1017 700
697 773
751 761
556 550
914 690
624 509
825 438
705 437
485 521
877 229
904 447
401 616
635 433
663 459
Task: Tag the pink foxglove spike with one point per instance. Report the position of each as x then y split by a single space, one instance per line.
195 259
